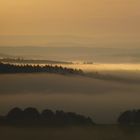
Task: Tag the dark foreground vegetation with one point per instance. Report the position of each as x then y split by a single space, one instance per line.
12 68
31 116
130 117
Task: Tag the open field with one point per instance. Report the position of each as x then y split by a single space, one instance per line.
101 132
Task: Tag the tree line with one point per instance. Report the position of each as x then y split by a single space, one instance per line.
31 116
26 68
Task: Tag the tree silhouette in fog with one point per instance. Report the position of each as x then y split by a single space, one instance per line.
31 116
15 114
11 68
130 117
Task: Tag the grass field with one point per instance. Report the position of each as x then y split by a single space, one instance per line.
99 132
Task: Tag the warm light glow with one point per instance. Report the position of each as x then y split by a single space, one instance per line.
106 67
104 21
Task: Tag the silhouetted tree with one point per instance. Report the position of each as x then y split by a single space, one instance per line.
31 114
15 114
130 117
47 117
137 117
47 114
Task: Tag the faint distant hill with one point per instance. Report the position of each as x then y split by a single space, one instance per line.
31 116
6 59
3 55
13 68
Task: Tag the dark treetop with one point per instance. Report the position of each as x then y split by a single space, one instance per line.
130 117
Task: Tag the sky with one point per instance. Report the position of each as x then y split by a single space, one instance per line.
56 22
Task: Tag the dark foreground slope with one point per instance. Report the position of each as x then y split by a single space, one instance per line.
102 132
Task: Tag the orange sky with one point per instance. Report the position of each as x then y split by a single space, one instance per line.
109 20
